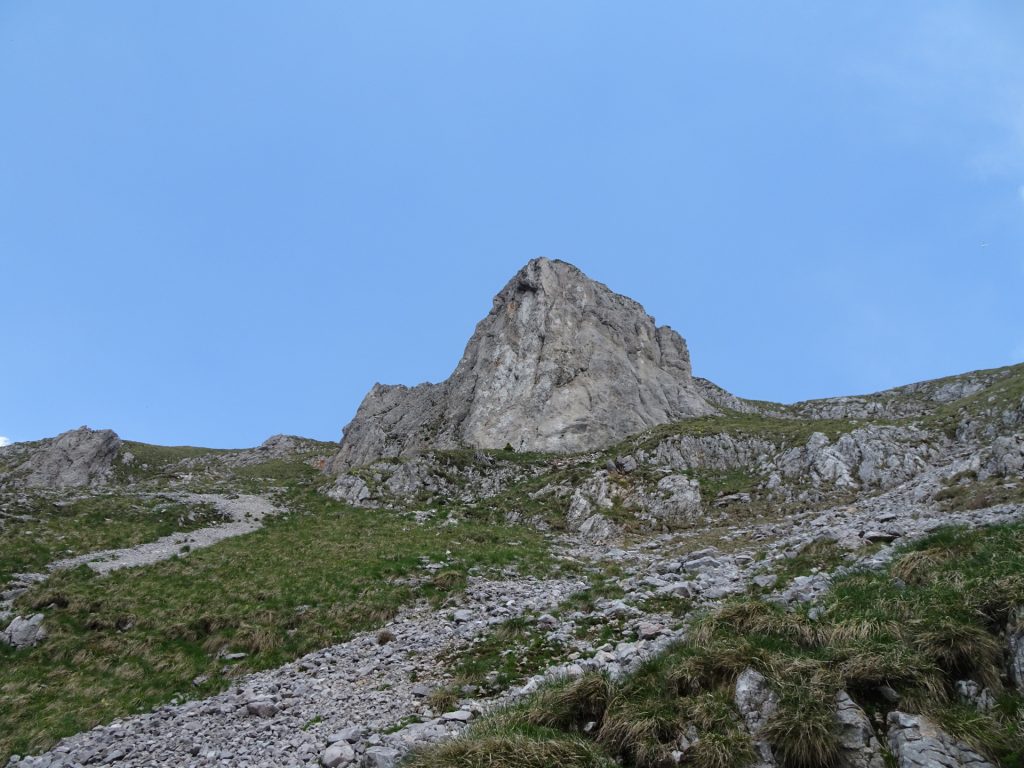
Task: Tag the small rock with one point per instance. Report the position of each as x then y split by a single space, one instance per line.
647 630
262 708
969 692
889 694
352 734
879 537
701 564
336 755
380 757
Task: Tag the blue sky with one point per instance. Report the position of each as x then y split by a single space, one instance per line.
222 220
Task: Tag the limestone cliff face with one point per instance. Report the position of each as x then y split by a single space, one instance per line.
561 363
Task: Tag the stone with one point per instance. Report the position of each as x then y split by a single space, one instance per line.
626 464
756 702
766 580
458 716
336 755
25 632
676 499
880 537
916 742
889 694
970 692
262 708
597 527
1015 641
561 363
754 699
858 745
1006 456
352 734
647 630
350 489
78 458
702 564
380 757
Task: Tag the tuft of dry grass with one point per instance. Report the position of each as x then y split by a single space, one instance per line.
503 749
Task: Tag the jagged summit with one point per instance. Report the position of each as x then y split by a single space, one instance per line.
561 363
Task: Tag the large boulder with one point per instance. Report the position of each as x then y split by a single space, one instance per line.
561 363
81 457
24 632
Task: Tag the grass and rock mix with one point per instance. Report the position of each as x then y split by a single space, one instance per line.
189 626
917 637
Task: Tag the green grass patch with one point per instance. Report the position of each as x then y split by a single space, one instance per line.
967 492
820 555
512 652
150 461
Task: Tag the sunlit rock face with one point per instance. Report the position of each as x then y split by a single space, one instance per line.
561 363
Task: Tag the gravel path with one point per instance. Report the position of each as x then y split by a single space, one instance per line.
245 512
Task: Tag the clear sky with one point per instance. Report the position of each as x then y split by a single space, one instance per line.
222 220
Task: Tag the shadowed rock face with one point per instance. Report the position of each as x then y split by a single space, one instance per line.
561 363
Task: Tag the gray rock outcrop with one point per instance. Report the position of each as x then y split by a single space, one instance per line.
1015 641
756 702
916 742
873 456
80 457
561 363
858 746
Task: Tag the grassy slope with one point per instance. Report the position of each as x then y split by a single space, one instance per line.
123 643
935 617
50 531
325 556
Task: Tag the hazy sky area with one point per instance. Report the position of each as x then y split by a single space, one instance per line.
223 220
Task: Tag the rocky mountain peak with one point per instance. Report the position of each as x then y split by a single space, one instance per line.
561 363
